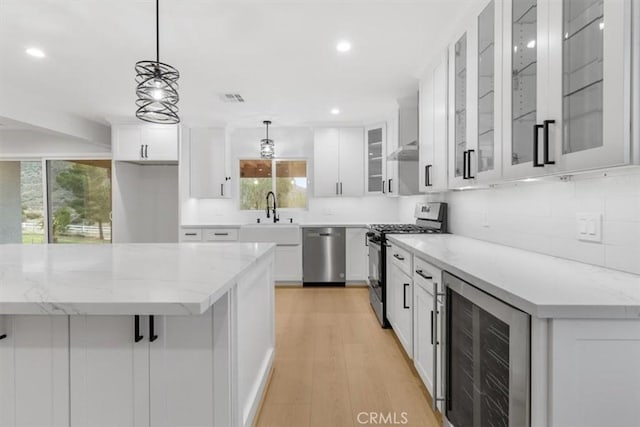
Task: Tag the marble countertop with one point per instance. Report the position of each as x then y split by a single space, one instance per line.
301 224
121 279
541 285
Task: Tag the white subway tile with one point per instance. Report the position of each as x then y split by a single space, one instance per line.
623 258
622 209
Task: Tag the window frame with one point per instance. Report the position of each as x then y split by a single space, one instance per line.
273 181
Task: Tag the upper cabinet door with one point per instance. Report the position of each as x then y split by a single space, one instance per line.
461 101
433 127
488 102
351 162
141 143
208 167
589 83
161 143
375 154
326 146
524 90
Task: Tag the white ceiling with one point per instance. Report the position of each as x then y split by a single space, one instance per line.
279 55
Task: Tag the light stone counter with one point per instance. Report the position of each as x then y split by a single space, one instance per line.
541 285
121 279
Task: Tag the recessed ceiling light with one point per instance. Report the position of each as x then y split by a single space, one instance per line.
343 46
35 52
335 111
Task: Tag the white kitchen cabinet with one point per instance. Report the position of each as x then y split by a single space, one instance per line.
433 127
209 166
593 365
145 143
161 379
390 178
338 162
288 265
375 158
427 316
34 384
567 107
357 255
475 80
400 286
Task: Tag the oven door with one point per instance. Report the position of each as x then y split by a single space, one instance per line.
375 268
487 359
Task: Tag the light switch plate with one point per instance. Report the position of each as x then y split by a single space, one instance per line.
589 226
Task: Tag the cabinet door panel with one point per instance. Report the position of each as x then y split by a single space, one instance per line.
375 155
34 371
109 371
589 83
351 162
357 254
207 164
404 311
127 143
181 371
162 143
326 145
423 342
427 151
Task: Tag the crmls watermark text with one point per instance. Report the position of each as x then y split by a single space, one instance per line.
373 418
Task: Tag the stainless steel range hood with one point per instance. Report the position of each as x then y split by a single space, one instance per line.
408 152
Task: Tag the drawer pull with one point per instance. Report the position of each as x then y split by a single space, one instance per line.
3 336
220 234
190 234
396 256
137 336
424 276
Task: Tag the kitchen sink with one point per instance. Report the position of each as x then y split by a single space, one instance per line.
283 234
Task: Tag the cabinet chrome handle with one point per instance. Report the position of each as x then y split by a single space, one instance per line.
152 334
427 178
432 330
404 296
545 134
142 151
146 151
384 182
396 256
222 189
536 146
136 322
337 184
220 234
424 276
340 187
190 234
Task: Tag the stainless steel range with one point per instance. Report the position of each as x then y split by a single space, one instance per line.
430 218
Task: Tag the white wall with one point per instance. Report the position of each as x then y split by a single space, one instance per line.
541 216
290 142
34 144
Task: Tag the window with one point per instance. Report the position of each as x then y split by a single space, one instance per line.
79 201
21 202
257 179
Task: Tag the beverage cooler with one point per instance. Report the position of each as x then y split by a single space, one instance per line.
487 359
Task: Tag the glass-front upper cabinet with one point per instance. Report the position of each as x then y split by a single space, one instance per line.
459 114
589 84
475 99
488 93
567 103
523 57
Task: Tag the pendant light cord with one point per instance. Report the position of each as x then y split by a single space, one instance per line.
158 31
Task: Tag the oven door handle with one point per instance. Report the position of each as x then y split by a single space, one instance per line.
436 343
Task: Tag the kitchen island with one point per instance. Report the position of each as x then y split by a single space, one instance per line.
135 334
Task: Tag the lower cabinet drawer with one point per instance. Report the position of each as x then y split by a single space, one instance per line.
191 235
402 258
220 234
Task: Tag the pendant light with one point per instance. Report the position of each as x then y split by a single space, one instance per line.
157 89
267 148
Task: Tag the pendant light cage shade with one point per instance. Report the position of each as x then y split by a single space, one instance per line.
267 147
157 92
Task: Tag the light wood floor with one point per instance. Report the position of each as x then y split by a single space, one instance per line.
333 361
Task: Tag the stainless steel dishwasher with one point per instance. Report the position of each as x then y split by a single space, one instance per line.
324 256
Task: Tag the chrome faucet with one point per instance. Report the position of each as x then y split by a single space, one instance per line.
275 217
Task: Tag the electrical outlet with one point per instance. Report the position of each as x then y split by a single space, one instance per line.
589 226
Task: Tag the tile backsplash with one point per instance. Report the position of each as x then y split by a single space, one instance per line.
541 216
